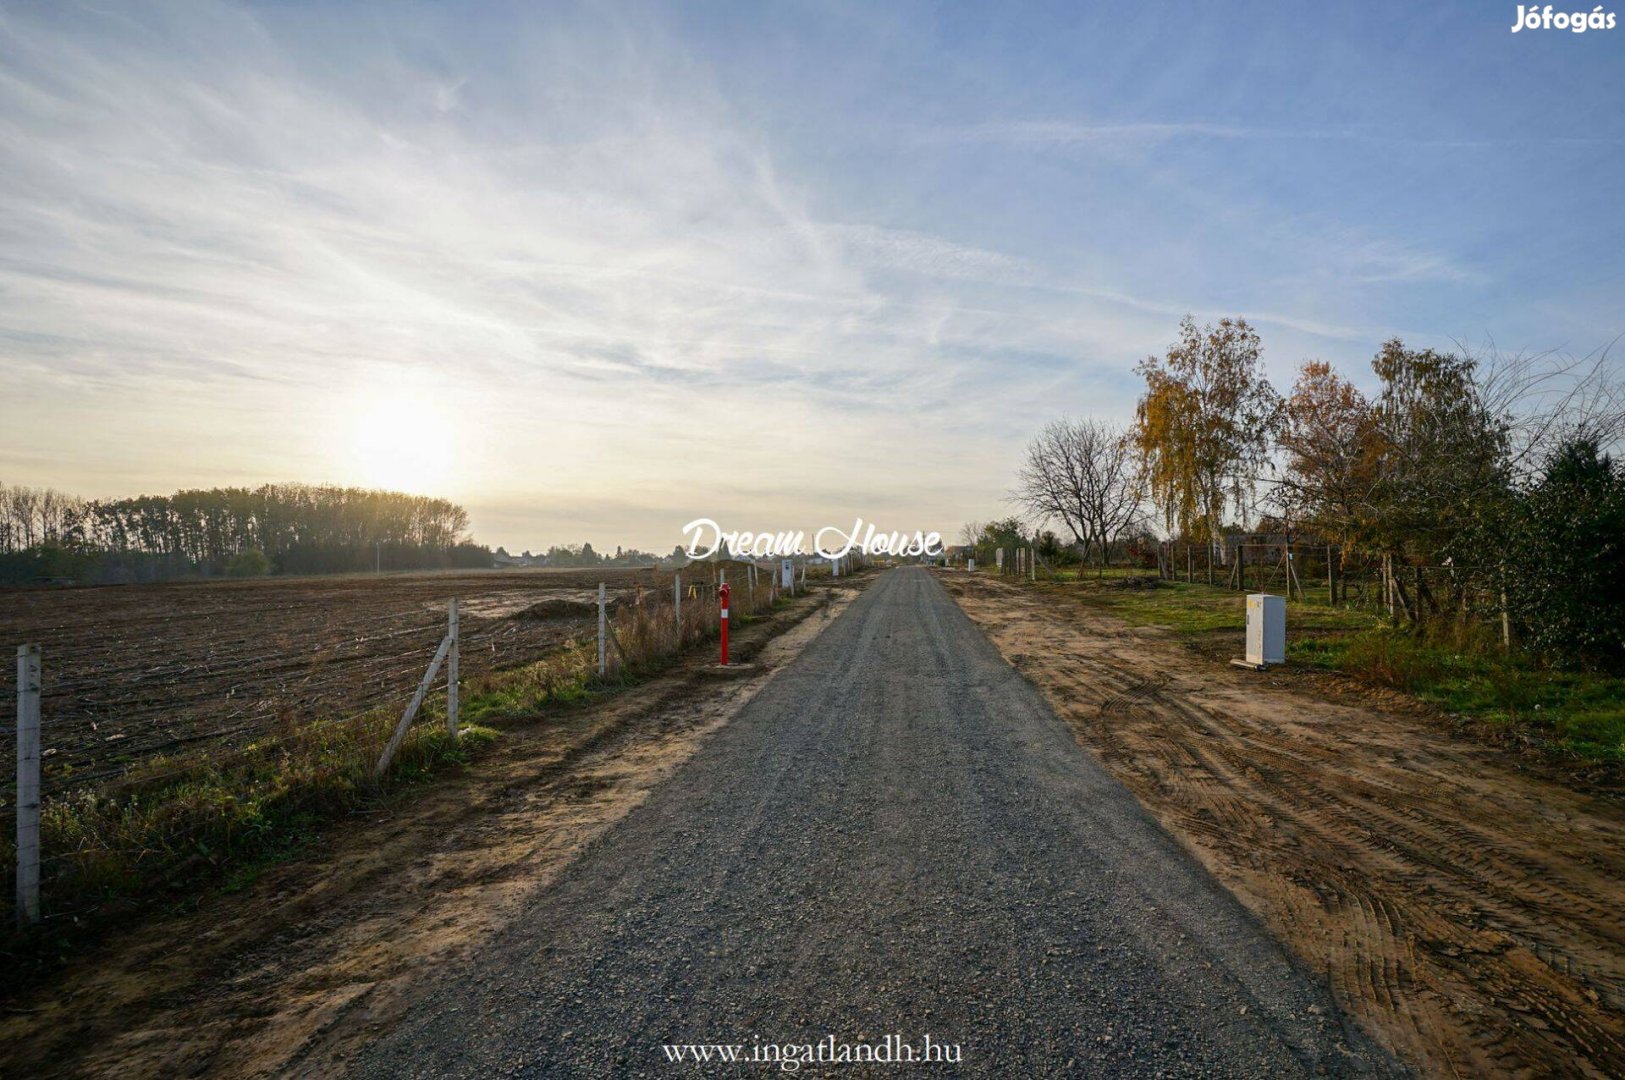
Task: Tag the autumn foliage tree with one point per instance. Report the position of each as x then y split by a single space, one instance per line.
1331 455
1443 453
1203 426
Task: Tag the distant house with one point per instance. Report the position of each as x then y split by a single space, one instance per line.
503 561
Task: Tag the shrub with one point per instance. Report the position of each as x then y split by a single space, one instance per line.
1565 567
249 562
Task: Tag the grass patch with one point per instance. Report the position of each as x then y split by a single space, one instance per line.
564 677
1085 573
1202 608
170 828
1460 672
1583 712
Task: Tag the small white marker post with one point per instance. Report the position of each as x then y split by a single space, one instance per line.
602 627
28 694
453 657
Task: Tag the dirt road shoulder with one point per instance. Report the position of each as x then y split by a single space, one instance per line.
288 975
1467 913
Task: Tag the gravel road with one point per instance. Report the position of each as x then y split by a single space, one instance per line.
895 837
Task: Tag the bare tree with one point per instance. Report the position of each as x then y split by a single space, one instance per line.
1549 400
1085 473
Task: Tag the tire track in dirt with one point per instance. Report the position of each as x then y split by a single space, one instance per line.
1467 913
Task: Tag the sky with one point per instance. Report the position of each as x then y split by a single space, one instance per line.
595 270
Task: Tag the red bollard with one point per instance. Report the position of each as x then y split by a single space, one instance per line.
722 595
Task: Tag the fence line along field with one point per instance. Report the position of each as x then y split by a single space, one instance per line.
137 671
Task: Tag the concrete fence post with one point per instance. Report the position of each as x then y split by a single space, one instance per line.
412 708
677 604
453 675
602 632
28 797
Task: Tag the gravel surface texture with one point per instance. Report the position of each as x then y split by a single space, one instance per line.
896 837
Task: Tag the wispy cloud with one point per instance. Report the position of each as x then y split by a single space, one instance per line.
189 219
1035 133
605 255
1084 133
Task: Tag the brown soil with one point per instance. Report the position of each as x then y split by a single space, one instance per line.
1466 911
134 671
290 975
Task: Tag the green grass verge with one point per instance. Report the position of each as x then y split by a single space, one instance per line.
172 829
1464 674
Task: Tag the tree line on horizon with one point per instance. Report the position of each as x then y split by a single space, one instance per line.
47 535
583 556
1499 468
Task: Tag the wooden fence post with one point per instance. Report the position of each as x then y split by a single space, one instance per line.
453 675
28 695
602 627
1391 588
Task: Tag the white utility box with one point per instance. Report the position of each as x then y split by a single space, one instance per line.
1266 629
787 574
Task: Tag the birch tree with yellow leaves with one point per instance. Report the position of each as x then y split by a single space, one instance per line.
1203 427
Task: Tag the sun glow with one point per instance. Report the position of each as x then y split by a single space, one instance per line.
401 442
